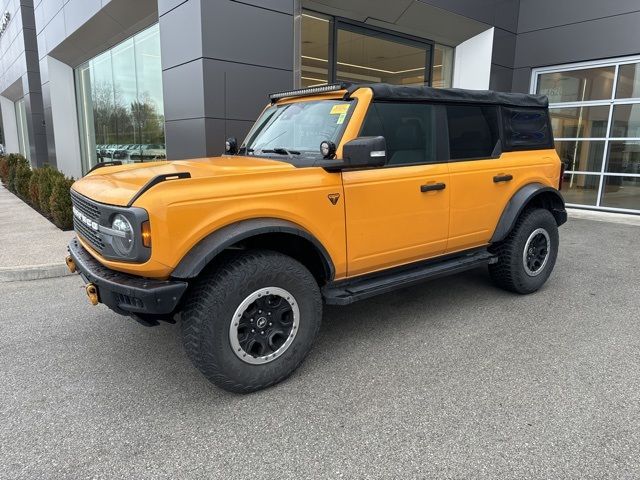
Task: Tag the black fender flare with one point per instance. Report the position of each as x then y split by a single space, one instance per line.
210 246
553 201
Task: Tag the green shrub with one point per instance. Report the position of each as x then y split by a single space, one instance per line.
60 202
16 163
45 185
23 176
33 187
4 169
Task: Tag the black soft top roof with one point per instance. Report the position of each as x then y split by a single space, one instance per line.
386 92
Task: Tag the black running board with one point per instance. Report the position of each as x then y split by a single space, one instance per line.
345 292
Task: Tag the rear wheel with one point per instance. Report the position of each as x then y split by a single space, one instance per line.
527 256
249 323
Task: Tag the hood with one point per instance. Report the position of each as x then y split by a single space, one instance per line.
118 185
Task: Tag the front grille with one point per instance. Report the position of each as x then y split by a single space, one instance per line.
91 211
88 234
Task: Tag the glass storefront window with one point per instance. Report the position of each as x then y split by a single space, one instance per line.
580 189
597 131
621 192
581 155
577 85
442 71
23 130
333 49
370 57
628 81
314 50
626 121
579 122
120 103
624 157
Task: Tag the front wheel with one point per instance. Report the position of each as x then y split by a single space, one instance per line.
249 323
528 254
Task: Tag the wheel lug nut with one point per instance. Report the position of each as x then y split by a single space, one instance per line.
253 331
262 332
268 313
270 323
251 320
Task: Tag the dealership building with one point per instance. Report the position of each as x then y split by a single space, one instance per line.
83 81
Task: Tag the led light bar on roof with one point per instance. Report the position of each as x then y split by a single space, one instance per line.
301 92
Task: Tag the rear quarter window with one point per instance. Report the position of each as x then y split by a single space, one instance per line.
526 128
473 131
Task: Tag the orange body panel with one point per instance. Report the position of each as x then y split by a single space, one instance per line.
381 220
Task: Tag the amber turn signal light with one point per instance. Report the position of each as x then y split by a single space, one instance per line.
146 234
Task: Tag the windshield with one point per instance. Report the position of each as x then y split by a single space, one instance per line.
297 128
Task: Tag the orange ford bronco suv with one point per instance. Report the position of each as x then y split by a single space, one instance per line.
338 193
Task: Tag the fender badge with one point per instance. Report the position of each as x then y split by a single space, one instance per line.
333 198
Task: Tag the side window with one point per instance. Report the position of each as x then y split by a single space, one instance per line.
473 131
409 129
526 128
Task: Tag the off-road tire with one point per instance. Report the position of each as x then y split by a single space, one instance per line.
210 308
509 272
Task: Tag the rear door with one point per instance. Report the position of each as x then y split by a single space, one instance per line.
483 177
398 213
481 180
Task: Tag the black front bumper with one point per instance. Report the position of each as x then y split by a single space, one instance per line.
127 294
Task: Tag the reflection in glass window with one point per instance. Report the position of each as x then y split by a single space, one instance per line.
23 130
370 57
626 121
580 189
624 157
442 74
577 85
628 81
581 155
120 103
621 192
314 50
579 122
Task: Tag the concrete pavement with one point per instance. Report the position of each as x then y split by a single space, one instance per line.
31 247
450 379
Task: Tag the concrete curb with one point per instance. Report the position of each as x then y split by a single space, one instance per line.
33 272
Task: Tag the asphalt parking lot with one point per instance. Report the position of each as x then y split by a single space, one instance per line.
450 379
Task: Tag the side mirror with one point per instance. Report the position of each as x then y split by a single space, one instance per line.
364 152
231 146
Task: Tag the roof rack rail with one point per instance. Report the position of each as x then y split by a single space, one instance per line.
302 92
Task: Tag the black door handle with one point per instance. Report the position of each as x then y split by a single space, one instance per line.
502 178
431 187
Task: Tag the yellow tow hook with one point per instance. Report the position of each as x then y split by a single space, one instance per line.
70 264
92 293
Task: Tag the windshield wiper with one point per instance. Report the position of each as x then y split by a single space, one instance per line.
281 151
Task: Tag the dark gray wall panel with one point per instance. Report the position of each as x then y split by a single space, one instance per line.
521 80
165 5
194 138
504 48
602 38
283 6
184 91
181 34
500 78
539 14
245 98
246 34
500 13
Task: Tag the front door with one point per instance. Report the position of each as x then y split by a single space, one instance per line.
398 213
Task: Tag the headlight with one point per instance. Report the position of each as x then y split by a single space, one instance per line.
124 242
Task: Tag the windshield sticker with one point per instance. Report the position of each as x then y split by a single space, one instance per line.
340 109
341 118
